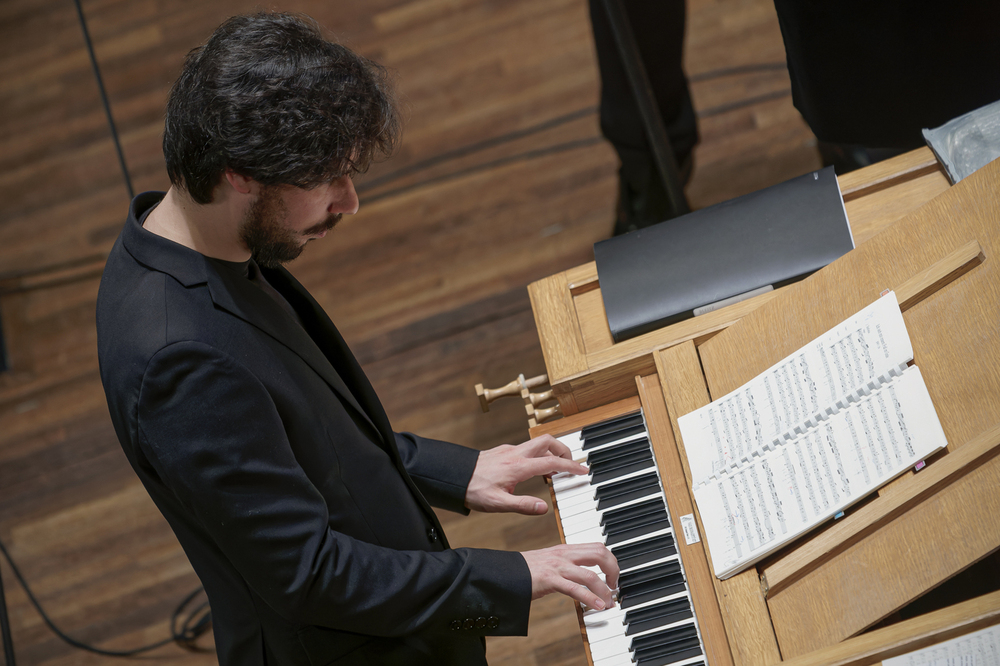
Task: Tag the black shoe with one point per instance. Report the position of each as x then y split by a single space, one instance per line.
643 204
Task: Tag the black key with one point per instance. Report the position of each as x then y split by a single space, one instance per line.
611 425
613 494
666 661
618 487
635 521
611 452
631 511
645 551
648 573
667 646
647 525
658 615
618 467
672 636
668 654
601 440
654 582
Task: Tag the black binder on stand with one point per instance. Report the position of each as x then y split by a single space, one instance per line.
659 275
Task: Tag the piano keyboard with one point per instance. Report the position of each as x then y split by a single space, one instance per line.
622 505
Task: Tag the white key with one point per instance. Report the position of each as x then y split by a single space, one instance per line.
582 504
594 616
565 481
611 625
568 489
577 505
614 645
586 521
571 521
603 623
616 660
574 441
579 455
579 522
592 535
626 660
611 646
570 494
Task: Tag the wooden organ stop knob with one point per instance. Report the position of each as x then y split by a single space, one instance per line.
536 416
536 399
514 388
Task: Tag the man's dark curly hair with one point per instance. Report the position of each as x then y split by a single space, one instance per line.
270 98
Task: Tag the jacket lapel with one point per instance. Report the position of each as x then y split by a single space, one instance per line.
321 329
245 300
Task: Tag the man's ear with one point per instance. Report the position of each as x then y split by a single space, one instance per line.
240 183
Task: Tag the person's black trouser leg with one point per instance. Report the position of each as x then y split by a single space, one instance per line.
659 32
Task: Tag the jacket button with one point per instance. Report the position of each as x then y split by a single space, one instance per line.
468 624
493 622
481 622
455 625
432 534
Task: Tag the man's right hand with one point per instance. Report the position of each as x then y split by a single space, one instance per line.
561 569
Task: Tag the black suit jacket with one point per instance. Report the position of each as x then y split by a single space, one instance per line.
305 516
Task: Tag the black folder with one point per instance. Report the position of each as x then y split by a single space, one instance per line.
660 275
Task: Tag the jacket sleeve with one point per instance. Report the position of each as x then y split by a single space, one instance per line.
440 470
212 433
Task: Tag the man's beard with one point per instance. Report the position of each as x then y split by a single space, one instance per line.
270 243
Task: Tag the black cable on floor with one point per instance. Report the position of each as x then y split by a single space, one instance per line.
8 642
185 633
104 98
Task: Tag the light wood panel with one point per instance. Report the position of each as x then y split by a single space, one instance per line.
956 342
915 634
878 195
836 600
874 515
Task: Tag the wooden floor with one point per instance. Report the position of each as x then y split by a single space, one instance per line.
502 179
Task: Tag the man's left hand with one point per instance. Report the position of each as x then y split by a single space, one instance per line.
500 469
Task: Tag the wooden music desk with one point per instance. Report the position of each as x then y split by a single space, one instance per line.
812 602
586 368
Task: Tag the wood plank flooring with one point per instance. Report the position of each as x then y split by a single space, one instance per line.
502 178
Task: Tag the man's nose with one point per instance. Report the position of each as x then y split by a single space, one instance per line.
345 199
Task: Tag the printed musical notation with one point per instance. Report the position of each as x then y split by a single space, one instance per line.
796 389
979 648
810 436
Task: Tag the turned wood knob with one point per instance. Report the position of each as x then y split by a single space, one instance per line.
536 399
514 387
536 416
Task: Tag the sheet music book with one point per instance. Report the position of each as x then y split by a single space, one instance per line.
979 648
808 437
